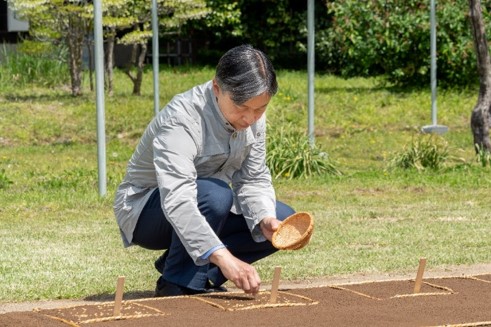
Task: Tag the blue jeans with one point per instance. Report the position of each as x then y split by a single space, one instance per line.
215 199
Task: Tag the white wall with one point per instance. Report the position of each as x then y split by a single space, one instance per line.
14 24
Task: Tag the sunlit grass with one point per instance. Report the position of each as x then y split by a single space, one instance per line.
59 239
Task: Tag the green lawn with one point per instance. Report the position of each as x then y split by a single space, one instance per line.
59 239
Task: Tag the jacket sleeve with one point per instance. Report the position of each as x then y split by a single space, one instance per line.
253 186
174 153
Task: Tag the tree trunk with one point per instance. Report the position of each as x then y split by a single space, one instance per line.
131 63
91 63
139 70
481 118
75 39
138 53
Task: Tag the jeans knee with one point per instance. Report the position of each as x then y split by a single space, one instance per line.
215 197
283 210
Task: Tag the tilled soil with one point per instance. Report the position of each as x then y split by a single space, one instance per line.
462 301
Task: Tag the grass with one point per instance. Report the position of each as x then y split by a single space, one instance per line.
59 239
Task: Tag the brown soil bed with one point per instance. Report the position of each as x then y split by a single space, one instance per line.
459 301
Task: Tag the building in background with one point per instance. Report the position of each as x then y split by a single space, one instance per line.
11 27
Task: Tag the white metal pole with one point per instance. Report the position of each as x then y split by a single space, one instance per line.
155 56
433 61
434 127
310 69
99 81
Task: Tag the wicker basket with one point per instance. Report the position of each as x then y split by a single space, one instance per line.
294 232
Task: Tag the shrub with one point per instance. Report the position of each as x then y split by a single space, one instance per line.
33 63
392 37
426 152
290 155
276 27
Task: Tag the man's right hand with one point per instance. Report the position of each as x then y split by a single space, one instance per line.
242 274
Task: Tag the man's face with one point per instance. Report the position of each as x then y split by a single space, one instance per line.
244 115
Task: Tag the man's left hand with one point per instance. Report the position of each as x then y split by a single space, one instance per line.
268 226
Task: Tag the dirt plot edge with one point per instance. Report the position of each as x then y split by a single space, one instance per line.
449 271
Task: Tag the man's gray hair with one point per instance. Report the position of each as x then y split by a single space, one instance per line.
245 72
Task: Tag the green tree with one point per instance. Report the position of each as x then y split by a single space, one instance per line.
71 22
133 22
60 21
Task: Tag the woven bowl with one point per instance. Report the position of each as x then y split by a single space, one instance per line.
294 232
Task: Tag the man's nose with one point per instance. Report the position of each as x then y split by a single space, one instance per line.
250 118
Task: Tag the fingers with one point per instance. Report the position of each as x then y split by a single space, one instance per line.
274 224
250 284
242 274
247 279
256 283
268 226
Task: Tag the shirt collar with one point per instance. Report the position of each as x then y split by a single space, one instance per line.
223 121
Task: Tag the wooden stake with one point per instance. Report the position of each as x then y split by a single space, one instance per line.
275 284
119 296
419 276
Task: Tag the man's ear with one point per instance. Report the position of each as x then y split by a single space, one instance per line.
216 88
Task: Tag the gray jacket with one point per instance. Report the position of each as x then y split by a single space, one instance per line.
188 139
